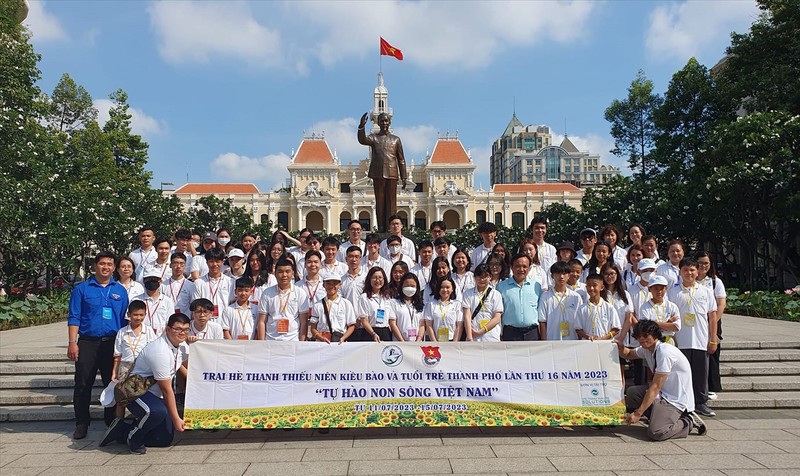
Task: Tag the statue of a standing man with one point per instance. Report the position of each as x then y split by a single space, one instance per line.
386 166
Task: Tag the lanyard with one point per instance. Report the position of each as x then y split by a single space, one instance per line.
243 320
594 310
183 281
283 303
426 278
443 310
215 290
461 282
135 346
312 294
150 314
561 304
193 331
663 308
691 292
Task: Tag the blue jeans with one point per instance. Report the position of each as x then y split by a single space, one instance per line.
153 425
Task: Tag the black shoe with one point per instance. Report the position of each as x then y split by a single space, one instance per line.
704 410
139 451
114 432
80 431
697 423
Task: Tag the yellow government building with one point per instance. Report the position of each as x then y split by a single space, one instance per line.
323 194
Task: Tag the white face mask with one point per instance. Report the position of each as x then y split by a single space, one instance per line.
224 241
409 291
195 244
646 275
394 249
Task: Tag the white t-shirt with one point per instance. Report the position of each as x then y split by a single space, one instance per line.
406 318
693 304
160 359
401 257
341 313
143 258
677 388
649 311
580 288
341 255
338 268
180 292
463 282
283 311
376 308
408 248
134 289
164 269
128 345
620 306
423 274
620 257
314 291
240 320
381 262
560 311
598 320
212 331
187 270
219 291
583 257
157 311
353 286
443 318
479 255
671 272
198 265
492 304
716 287
538 274
547 255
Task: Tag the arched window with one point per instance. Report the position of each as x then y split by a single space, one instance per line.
263 218
365 219
451 220
314 221
518 220
498 218
480 216
283 220
420 221
344 219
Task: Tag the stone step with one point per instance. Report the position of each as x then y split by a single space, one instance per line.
759 368
760 355
37 368
761 383
756 400
752 345
45 413
40 381
42 396
42 357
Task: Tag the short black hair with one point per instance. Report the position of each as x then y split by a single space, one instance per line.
373 238
688 261
178 317
244 282
311 253
352 248
145 228
521 255
560 267
178 255
183 234
424 244
646 327
201 303
105 254
215 253
594 277
162 239
350 223
285 261
330 241
438 224
137 305
487 227
394 239
442 241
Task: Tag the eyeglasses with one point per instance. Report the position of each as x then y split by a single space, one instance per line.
203 313
180 330
703 265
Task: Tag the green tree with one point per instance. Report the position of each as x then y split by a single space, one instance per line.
564 223
70 107
632 125
129 149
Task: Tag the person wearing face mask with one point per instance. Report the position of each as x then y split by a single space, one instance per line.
223 237
158 306
405 312
640 294
407 246
397 252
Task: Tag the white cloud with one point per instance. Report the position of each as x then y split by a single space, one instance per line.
241 168
141 123
197 31
680 31
341 137
431 34
44 26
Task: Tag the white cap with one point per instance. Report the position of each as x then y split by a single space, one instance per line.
646 263
235 252
657 279
107 395
152 272
328 276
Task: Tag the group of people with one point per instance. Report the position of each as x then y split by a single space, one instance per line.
175 291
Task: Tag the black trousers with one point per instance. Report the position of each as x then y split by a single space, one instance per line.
714 380
511 333
385 201
93 355
698 361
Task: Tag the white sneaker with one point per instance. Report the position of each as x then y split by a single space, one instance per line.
712 396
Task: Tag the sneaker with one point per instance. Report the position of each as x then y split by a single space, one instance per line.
139 451
712 395
698 423
112 433
80 431
704 410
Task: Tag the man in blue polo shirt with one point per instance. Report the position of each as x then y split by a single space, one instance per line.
97 310
520 302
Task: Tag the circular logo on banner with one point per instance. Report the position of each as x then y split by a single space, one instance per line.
392 355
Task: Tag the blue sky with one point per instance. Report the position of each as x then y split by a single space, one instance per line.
224 91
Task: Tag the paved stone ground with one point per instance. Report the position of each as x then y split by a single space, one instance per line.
744 442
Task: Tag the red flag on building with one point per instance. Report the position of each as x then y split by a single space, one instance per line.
389 50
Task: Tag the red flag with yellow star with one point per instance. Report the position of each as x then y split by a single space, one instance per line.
389 50
431 352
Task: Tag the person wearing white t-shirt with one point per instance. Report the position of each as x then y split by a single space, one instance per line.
405 312
126 277
333 318
236 264
444 319
183 245
129 342
203 327
482 308
354 230
177 287
215 286
156 411
461 274
707 276
671 269
199 265
423 268
311 283
612 235
445 248
330 248
547 253
373 258
488 232
588 238
145 254
537 271
597 319
407 247
159 307
668 402
352 284
396 252
559 306
239 319
163 248
660 310
283 308
697 337
573 281
372 309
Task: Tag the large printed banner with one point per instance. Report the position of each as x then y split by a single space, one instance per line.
268 384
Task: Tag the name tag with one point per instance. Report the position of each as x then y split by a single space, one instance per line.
444 334
283 326
216 311
242 337
564 328
380 315
108 313
689 320
411 334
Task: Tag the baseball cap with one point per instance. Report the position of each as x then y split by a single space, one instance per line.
328 276
235 252
646 263
657 279
209 235
152 272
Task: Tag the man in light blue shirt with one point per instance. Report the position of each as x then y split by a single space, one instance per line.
521 303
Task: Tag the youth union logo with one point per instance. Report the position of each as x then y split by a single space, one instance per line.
430 355
392 355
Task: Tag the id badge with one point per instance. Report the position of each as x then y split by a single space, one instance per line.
564 328
380 315
242 337
689 319
411 334
444 334
107 313
327 335
283 326
216 311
